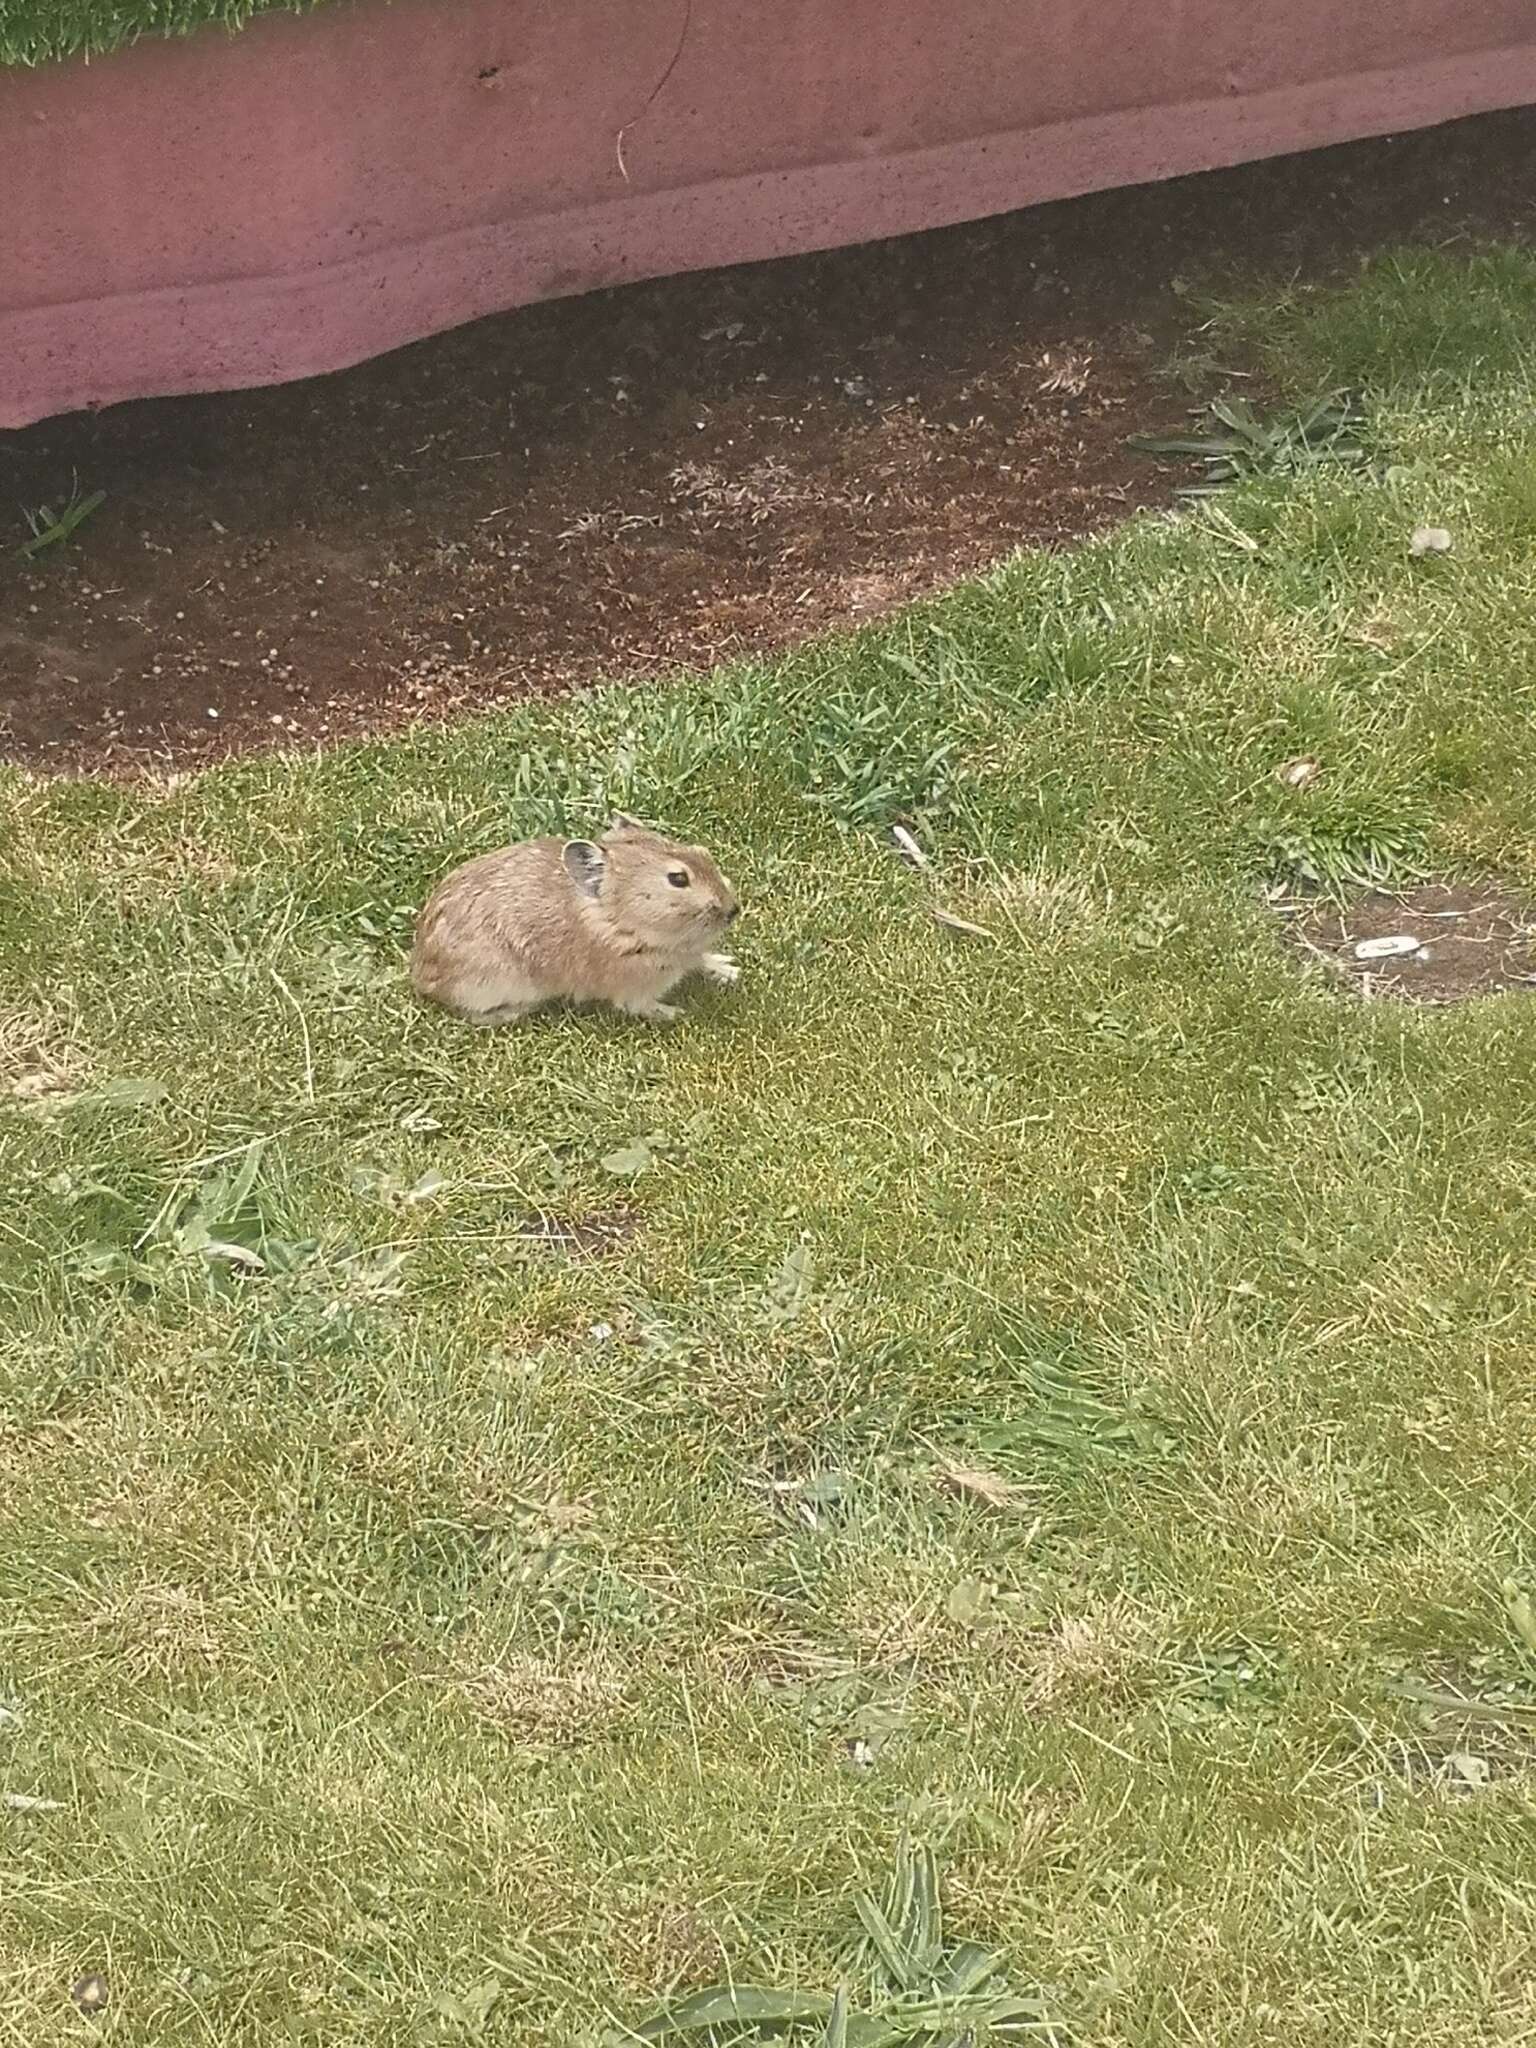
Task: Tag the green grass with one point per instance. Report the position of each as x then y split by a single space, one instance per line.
40 31
425 1638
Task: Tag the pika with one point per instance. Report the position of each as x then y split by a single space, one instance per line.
621 920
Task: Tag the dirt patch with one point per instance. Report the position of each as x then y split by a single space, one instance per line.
593 1236
542 1706
1463 1732
672 473
1440 942
35 1061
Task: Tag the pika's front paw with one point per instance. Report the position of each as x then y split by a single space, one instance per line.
655 1013
720 968
504 1013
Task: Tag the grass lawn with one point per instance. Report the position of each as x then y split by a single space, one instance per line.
1066 1400
36 31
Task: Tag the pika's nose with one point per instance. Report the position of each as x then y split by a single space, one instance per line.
733 913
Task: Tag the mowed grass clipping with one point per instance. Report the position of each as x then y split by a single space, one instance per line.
40 31
1064 1398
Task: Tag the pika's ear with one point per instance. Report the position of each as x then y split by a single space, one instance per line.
619 822
586 864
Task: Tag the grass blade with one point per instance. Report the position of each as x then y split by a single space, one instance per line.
969 1967
888 1946
245 1177
1237 414
925 1921
1186 444
836 2035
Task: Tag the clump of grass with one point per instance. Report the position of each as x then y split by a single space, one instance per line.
48 528
1410 318
1244 443
913 1988
43 31
1324 855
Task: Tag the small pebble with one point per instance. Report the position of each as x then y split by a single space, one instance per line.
90 1993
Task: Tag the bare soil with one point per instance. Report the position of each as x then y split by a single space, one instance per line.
591 1236
1474 939
672 473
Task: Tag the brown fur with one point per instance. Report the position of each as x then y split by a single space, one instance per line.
550 919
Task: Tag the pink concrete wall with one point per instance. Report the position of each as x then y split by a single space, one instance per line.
212 212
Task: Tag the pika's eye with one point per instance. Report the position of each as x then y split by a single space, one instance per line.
679 877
